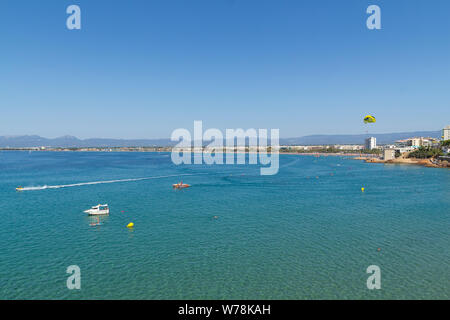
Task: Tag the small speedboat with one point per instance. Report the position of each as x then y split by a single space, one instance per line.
180 185
101 209
19 189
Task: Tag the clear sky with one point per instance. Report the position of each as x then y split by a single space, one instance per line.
140 69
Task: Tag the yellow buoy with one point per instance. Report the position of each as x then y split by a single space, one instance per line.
362 189
130 225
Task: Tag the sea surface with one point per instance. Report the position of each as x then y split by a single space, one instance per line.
308 232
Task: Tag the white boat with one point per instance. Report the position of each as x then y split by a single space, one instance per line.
100 209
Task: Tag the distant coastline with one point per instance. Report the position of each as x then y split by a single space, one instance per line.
29 141
348 153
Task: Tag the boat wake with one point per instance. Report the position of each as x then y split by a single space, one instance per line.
104 182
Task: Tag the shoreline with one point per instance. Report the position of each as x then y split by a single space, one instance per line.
138 149
368 158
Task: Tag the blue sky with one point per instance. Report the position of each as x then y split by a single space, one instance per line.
140 69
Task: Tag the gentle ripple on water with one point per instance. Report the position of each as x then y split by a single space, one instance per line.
306 233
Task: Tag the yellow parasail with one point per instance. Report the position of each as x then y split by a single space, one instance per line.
369 119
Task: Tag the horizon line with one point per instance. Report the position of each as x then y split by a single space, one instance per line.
167 138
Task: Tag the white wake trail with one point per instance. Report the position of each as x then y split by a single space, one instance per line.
103 182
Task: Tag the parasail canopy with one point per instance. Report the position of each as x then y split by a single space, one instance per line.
369 119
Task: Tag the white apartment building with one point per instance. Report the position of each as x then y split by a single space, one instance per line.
388 154
446 133
371 143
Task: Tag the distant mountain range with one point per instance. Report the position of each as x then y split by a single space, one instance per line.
71 141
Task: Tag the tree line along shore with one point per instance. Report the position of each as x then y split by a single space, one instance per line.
429 156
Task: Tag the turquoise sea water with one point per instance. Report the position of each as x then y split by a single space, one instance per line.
306 233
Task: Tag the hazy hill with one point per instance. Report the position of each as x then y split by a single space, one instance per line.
70 141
